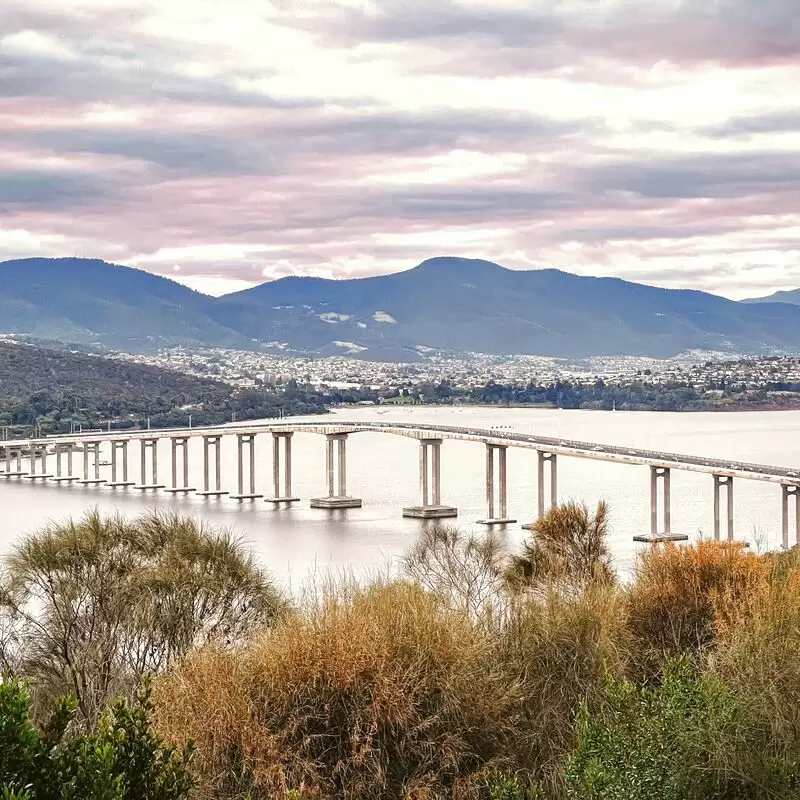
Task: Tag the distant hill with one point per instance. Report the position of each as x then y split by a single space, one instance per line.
55 387
791 296
444 303
90 301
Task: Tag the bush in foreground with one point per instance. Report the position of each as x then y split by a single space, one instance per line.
376 693
89 607
681 594
686 739
120 760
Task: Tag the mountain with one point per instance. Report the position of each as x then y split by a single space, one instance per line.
90 301
789 296
474 305
444 303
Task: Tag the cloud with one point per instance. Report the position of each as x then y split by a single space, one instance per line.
348 138
774 122
541 35
44 189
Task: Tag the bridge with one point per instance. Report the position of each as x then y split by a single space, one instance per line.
431 437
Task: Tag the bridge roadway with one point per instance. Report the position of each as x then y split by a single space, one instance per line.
564 447
496 441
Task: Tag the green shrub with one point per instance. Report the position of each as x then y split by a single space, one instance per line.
686 740
120 760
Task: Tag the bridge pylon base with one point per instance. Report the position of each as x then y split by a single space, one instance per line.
92 481
37 477
246 496
336 502
430 512
13 474
116 484
496 521
67 479
212 493
146 486
278 500
658 538
180 490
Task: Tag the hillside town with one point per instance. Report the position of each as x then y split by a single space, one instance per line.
703 372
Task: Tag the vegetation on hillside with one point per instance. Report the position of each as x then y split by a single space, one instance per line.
473 675
54 390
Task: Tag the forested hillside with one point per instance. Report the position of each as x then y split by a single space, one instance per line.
56 388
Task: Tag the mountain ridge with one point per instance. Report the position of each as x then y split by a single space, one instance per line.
445 303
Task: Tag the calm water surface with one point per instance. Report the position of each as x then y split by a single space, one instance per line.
383 470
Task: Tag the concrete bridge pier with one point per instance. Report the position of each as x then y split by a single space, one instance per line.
216 443
151 481
662 474
790 490
727 482
337 497
180 443
502 494
120 448
430 506
32 474
285 495
248 439
10 457
70 476
94 448
545 460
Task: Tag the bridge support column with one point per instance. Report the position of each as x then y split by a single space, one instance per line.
430 506
41 449
284 494
790 490
94 448
180 443
11 457
336 469
663 474
721 480
502 494
120 448
151 481
216 443
543 461
70 476
248 439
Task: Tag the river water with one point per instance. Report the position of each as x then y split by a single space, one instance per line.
383 470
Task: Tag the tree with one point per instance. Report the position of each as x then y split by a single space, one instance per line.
568 548
89 607
465 569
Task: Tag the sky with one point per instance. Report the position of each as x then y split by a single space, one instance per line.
227 143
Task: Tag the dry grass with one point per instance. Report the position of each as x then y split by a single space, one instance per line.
422 688
681 594
384 694
561 649
758 657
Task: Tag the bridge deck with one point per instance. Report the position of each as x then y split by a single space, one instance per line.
565 447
